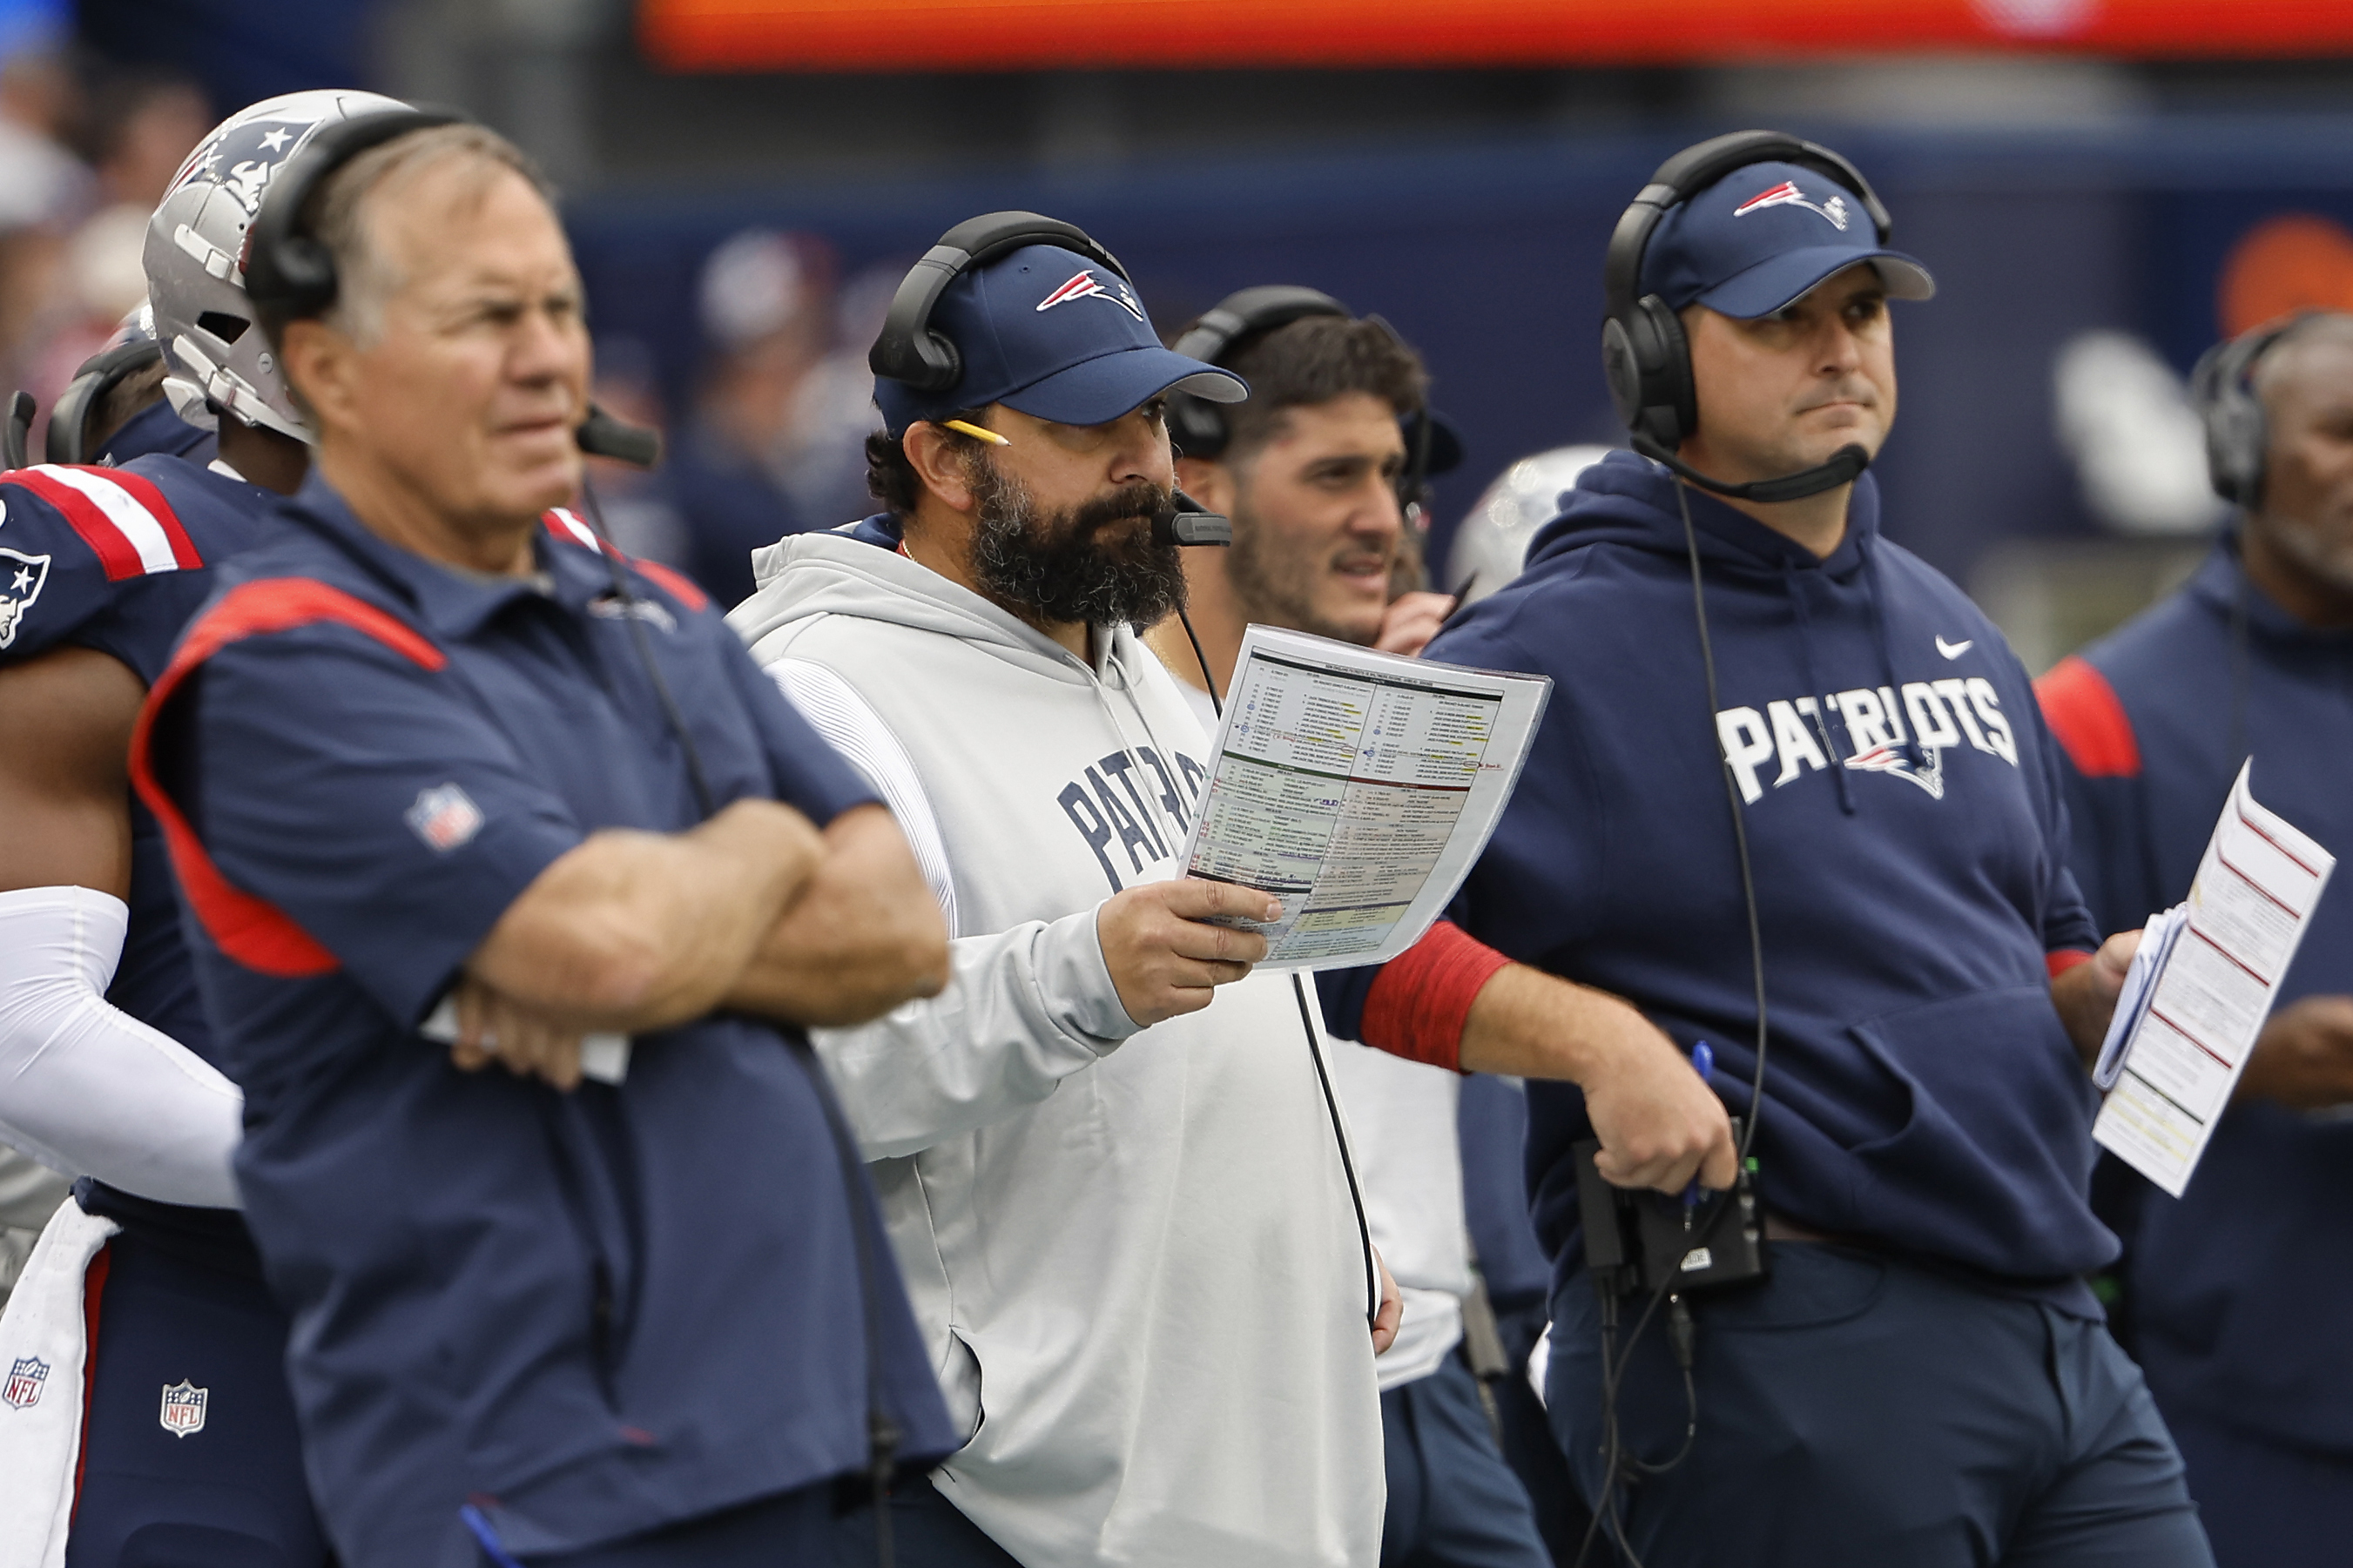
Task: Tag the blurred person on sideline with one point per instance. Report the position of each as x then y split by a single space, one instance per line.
2231 1290
822 463
45 189
1921 1375
766 302
431 755
145 1298
139 127
1109 1166
1311 468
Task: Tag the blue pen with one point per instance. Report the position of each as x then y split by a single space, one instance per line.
1704 1064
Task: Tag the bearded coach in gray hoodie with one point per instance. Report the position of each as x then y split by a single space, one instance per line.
1111 1177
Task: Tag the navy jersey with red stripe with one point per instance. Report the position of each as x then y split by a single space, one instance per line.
119 560
2233 1286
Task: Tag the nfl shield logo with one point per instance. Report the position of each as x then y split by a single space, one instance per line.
25 1377
445 817
183 1409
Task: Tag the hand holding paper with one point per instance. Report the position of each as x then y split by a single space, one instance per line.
1359 787
2192 1013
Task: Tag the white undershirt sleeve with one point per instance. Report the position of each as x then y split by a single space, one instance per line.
86 1089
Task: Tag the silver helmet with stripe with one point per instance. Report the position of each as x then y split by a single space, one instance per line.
216 355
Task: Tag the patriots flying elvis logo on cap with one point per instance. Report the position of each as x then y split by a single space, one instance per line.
1786 194
1086 365
1087 286
1762 237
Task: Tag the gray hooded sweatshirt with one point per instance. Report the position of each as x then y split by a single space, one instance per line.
1133 1251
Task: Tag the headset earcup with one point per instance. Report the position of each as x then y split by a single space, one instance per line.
943 365
1196 427
1619 369
1648 365
1669 398
2235 438
306 273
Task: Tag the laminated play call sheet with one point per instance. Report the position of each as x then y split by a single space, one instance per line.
1359 787
2201 988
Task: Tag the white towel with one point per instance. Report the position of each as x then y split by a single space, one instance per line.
43 1351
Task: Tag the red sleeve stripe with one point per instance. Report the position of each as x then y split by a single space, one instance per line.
2061 959
2081 710
566 524
123 518
254 932
1421 999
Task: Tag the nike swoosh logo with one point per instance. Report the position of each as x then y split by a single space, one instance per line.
1955 649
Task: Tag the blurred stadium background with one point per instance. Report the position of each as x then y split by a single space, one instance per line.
2102 187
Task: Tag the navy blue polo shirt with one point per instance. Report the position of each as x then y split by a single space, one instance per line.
587 1313
2236 1287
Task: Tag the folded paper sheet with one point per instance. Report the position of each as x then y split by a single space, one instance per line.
1359 787
2191 1014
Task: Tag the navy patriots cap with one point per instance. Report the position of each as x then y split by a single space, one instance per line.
1764 235
1056 336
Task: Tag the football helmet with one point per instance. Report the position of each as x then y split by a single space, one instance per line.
1492 539
215 352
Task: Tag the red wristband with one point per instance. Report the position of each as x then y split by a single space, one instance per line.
1419 1002
2064 959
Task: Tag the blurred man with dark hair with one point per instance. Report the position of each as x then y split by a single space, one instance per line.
2233 1290
1310 468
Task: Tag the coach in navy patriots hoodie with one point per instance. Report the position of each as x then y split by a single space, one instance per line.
2236 1291
1924 1379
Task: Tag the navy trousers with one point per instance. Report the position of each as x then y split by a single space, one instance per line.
2267 1505
1857 1412
1453 1503
190 1457
792 1529
926 1532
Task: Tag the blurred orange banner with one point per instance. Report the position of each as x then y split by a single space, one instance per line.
989 34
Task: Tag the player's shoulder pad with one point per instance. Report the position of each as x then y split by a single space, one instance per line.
569 527
70 538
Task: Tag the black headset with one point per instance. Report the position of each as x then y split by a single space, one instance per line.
69 438
1644 353
290 275
1200 426
908 349
2237 430
1195 423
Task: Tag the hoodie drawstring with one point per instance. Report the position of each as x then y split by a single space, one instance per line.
1790 587
1136 770
1872 593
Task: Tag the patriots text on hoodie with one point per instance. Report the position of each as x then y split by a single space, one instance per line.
1909 846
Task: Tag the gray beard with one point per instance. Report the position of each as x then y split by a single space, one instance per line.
2303 545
